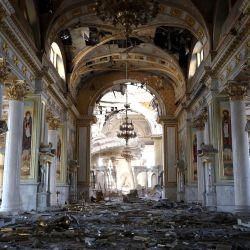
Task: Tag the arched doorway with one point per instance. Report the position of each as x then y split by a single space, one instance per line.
154 147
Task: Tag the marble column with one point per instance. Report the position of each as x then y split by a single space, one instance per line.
199 125
83 154
13 150
240 146
54 123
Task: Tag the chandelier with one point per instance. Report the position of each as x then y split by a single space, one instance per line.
127 13
127 154
126 128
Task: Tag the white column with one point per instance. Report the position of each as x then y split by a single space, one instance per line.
199 125
240 148
11 175
52 138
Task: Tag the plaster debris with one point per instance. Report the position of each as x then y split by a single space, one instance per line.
144 224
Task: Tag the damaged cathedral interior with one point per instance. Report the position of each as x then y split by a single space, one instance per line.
124 124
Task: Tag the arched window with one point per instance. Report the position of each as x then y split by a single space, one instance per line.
196 59
57 60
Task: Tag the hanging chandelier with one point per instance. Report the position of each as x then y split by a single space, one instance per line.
127 13
127 154
127 127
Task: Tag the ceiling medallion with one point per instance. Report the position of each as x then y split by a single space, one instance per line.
127 13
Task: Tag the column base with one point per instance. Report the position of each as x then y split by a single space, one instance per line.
181 196
83 192
243 211
210 201
14 208
170 193
43 201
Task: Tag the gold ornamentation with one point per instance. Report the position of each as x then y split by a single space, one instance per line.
24 70
237 58
4 70
5 47
15 60
248 44
54 123
199 121
52 120
17 90
200 33
190 21
236 91
76 12
175 12
49 115
229 69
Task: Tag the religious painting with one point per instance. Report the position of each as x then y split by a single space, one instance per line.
28 133
194 156
226 133
59 155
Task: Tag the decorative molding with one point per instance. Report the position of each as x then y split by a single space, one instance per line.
4 70
18 90
200 120
54 123
236 90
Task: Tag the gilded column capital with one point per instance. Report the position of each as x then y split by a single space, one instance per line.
199 123
18 90
236 91
48 115
54 123
201 119
4 70
52 120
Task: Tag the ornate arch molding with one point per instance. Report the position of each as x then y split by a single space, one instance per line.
179 16
151 86
167 65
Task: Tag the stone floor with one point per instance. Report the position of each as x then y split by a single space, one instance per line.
142 224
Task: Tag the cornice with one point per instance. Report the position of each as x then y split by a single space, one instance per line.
16 39
7 7
226 51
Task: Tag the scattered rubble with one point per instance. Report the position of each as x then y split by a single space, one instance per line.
137 224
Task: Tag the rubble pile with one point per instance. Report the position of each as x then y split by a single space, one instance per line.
141 224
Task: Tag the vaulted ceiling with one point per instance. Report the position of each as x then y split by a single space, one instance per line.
161 48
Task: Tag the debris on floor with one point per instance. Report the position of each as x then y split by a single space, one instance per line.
141 224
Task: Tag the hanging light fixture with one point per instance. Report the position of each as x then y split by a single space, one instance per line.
126 128
127 13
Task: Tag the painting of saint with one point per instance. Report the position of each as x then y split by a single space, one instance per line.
27 139
226 140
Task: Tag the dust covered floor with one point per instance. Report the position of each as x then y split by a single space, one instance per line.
142 224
